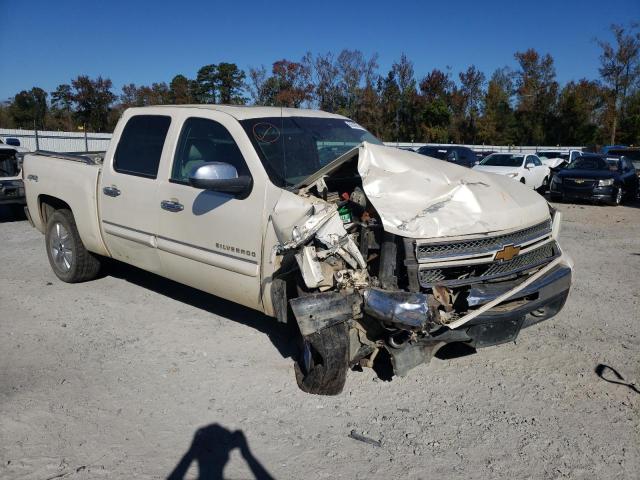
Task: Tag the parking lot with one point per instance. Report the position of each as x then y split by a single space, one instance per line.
134 376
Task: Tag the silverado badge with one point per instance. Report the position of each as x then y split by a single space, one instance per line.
507 253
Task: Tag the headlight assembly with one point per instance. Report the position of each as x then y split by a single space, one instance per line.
605 183
512 175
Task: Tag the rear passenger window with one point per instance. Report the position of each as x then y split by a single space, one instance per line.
202 141
140 146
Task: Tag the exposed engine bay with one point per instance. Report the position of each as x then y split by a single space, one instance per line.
402 294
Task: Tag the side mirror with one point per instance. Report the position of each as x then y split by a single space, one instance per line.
220 177
529 165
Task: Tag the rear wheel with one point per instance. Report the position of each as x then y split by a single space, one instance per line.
69 259
321 367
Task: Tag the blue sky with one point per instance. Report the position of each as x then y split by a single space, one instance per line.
45 43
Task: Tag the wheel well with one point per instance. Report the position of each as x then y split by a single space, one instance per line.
48 204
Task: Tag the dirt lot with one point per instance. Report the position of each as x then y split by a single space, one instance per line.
113 378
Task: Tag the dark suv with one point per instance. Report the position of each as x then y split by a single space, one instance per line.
455 154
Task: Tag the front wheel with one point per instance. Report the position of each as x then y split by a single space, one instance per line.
321 367
69 259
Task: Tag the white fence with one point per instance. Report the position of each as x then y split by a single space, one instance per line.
97 142
58 141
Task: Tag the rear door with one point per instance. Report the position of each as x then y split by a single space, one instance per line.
210 240
128 189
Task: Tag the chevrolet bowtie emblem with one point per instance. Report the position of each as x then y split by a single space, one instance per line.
507 253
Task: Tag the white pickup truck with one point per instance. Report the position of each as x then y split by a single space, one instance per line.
377 256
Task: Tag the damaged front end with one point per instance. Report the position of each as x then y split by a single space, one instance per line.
411 255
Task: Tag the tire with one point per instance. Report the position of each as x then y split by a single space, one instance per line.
68 257
321 367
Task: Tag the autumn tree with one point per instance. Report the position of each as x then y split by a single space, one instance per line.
470 93
435 113
29 108
93 99
579 107
229 83
181 90
326 77
497 123
206 84
62 106
619 70
288 86
536 93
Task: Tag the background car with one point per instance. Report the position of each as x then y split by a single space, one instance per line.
11 185
523 167
630 153
557 158
597 178
463 156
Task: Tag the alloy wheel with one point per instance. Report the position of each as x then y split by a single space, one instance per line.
60 245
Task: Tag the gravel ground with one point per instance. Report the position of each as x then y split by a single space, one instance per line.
134 376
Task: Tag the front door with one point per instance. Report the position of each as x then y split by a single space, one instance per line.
210 240
128 191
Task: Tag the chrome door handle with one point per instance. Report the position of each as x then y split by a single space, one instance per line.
171 206
111 191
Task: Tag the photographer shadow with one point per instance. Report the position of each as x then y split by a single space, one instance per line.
211 448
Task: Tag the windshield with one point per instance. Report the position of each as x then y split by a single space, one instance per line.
503 160
434 152
588 163
292 148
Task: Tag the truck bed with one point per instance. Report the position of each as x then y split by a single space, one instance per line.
68 178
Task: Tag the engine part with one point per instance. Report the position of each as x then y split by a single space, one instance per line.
405 310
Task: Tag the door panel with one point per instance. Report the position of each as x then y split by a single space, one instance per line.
127 197
214 242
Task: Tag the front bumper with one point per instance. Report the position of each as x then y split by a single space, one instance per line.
594 194
538 301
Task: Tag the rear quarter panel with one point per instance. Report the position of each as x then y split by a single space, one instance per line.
74 183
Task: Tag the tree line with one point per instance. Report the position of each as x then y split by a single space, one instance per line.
523 105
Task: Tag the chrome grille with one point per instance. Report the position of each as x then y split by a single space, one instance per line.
579 182
464 275
481 245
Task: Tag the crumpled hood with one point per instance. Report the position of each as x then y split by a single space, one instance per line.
421 197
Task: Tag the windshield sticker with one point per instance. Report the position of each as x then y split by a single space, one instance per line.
354 125
265 132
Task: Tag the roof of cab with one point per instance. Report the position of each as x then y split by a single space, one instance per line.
243 112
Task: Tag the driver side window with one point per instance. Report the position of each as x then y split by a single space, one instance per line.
535 160
202 141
